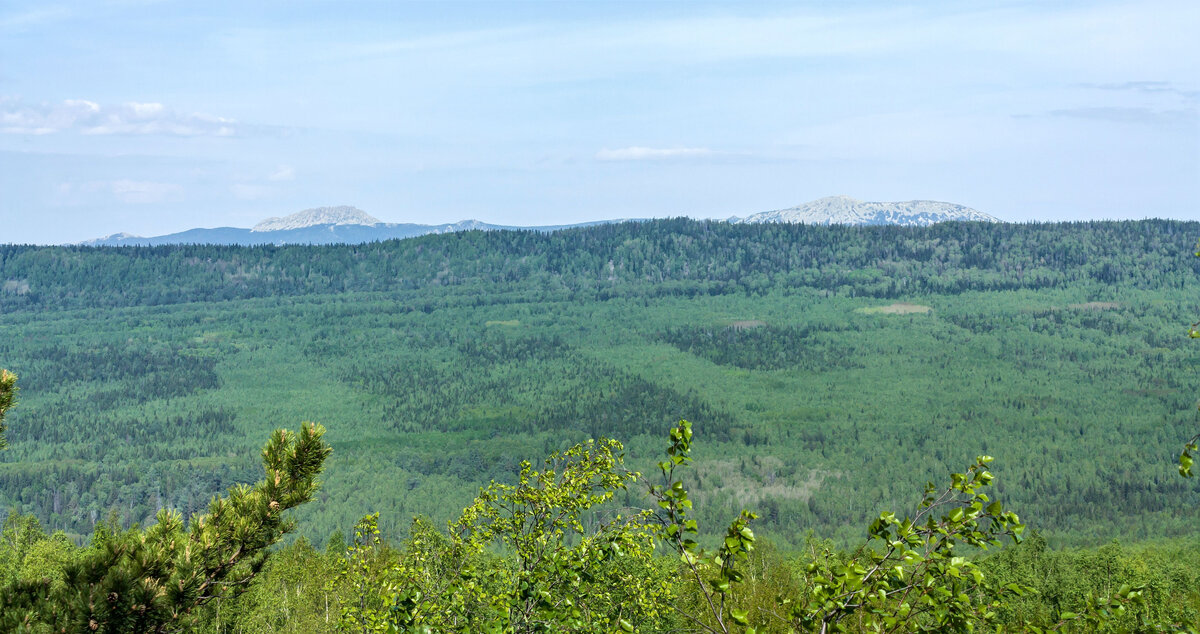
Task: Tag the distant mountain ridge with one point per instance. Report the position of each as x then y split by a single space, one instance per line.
321 225
844 210
349 225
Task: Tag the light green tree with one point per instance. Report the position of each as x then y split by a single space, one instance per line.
574 564
8 396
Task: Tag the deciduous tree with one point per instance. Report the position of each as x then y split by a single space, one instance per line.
8 395
1186 459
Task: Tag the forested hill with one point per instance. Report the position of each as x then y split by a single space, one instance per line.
677 256
830 371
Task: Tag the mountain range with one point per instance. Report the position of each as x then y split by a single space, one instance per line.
844 210
350 225
321 225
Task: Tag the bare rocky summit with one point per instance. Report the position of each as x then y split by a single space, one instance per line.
844 210
343 215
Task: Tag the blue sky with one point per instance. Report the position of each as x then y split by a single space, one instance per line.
153 117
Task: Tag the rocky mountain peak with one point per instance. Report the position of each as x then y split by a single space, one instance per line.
844 210
342 215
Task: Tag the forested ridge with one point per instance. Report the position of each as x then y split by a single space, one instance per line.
677 256
831 372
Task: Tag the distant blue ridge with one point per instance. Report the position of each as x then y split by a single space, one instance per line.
315 234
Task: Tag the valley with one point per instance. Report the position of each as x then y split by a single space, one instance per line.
829 371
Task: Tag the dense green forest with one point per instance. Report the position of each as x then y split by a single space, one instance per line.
678 257
831 372
439 362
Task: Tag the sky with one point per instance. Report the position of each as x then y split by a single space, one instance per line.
154 117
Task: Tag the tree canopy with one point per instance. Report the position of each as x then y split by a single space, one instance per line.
154 579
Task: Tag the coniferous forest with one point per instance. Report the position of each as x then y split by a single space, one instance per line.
833 380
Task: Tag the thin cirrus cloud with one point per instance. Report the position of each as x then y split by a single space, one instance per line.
90 118
125 190
637 153
132 191
1149 87
1146 116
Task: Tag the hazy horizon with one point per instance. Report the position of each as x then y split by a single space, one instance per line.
157 117
717 217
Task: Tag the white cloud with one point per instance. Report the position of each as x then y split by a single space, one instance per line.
283 173
88 117
82 105
146 110
636 153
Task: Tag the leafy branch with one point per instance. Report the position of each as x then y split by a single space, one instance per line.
1186 459
8 396
569 572
713 574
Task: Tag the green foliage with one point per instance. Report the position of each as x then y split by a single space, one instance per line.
1186 459
152 580
1144 588
8 395
292 594
28 554
911 573
438 580
925 572
714 574
908 575
571 565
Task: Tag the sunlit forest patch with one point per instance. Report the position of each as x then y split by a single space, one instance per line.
898 308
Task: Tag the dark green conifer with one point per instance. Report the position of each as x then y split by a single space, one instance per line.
152 580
